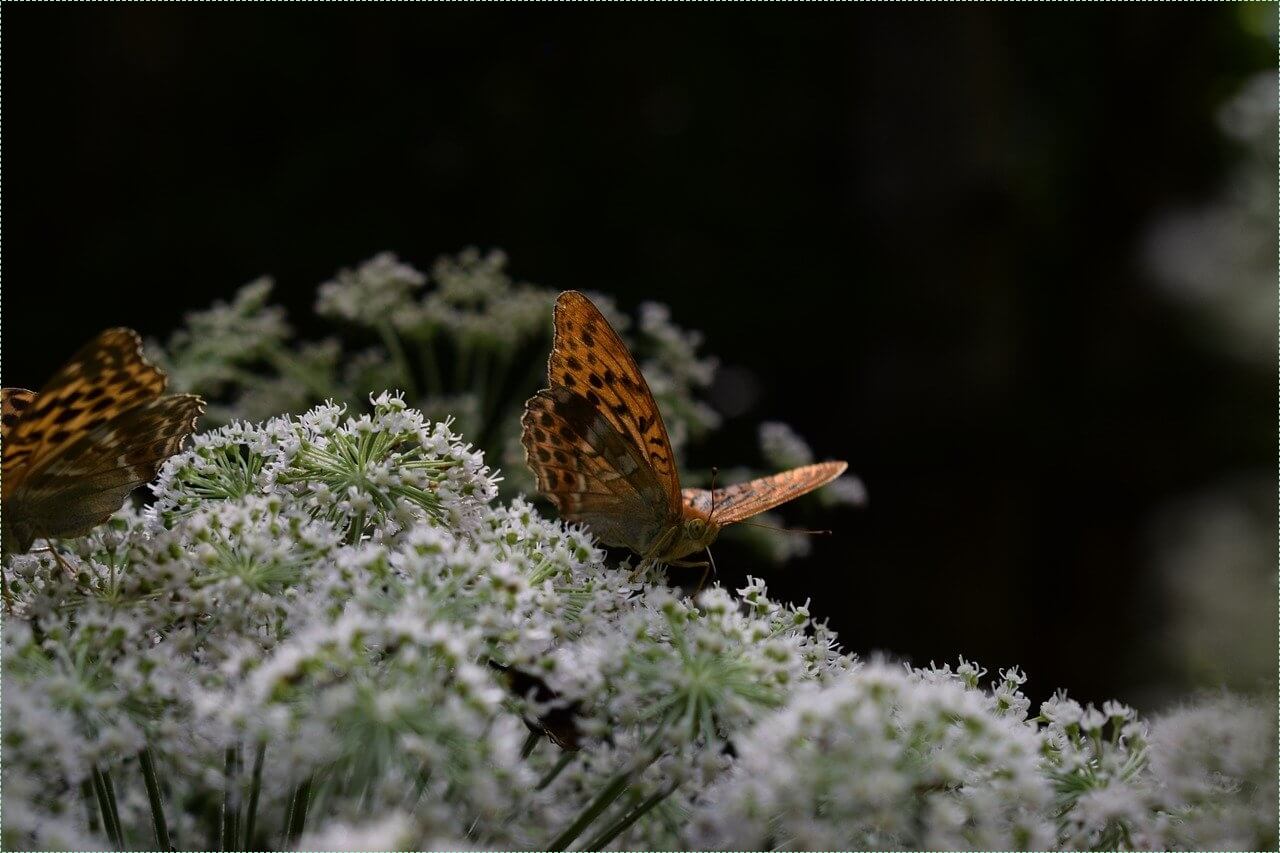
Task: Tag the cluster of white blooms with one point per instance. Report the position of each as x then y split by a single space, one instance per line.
325 633
326 617
884 757
465 341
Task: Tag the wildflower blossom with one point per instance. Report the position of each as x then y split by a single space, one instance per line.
326 632
880 758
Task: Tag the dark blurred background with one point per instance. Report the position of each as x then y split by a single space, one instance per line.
927 230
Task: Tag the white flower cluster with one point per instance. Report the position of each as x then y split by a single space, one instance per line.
326 634
466 342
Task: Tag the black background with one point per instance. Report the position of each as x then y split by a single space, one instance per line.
918 226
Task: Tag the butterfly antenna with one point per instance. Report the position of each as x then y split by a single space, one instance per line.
786 529
714 472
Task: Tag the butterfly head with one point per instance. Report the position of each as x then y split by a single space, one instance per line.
697 531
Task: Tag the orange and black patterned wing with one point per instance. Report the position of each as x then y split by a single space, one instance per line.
84 483
590 472
13 402
106 378
743 500
590 360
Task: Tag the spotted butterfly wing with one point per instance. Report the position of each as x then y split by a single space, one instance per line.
595 439
97 430
743 500
601 453
589 359
13 402
591 472
106 377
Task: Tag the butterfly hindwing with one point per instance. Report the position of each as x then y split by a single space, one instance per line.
743 500
590 360
105 378
85 483
590 472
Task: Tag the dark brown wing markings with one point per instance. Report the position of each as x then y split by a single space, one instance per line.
105 378
589 358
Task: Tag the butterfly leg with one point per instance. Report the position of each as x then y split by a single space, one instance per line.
695 564
58 559
641 568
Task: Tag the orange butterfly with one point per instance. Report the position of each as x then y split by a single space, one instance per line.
96 431
598 446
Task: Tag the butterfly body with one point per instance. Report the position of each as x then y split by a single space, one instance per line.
96 431
599 448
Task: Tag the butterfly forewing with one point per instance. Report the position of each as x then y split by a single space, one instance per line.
589 359
107 377
743 500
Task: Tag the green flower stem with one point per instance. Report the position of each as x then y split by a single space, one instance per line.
283 360
230 800
87 796
255 788
298 813
621 826
110 822
430 366
491 399
615 788
462 364
555 771
530 744
115 808
617 785
392 342
153 794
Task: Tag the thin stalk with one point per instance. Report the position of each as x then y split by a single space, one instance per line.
255 788
230 801
115 808
617 785
87 795
153 794
554 771
392 342
614 789
530 744
478 379
431 367
289 366
104 807
496 384
621 826
298 813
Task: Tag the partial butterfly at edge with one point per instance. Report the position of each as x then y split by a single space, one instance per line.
97 430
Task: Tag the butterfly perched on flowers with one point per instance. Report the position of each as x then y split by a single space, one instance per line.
598 446
97 430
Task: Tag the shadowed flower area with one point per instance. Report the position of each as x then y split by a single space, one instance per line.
328 632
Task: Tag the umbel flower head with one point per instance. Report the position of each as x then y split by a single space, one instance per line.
326 631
